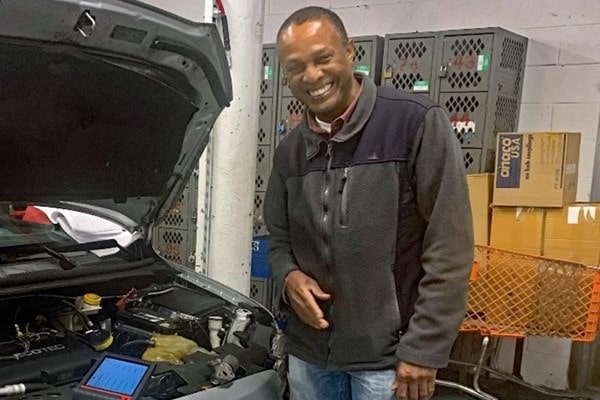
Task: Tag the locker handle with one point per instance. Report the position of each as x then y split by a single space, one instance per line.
443 72
281 128
387 74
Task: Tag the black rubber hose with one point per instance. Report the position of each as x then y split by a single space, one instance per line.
136 342
34 387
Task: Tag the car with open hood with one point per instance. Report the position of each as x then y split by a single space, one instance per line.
105 109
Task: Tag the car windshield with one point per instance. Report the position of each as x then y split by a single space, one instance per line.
36 225
22 225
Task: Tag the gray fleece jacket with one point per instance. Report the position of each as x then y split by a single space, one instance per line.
380 217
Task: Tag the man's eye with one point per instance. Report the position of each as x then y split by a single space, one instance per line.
293 68
323 59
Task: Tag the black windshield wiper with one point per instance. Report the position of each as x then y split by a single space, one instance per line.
97 245
65 262
17 253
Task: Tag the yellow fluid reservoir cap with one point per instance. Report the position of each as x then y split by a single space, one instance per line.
92 299
101 340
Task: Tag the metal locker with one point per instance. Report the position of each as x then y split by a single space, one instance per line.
177 217
266 130
259 229
263 168
290 114
265 121
259 222
269 95
409 62
466 62
480 84
173 244
506 108
261 290
367 56
284 89
268 86
175 237
472 160
476 75
467 116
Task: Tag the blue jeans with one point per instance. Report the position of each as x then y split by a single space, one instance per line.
309 382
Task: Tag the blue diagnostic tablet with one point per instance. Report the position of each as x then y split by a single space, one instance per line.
114 377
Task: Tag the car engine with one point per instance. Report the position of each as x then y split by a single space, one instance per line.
196 340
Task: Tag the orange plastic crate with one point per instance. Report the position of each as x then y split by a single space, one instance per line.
517 295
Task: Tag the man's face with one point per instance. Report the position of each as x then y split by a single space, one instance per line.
318 67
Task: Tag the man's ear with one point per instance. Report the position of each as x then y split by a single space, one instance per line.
350 50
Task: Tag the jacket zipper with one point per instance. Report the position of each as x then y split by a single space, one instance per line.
327 235
344 192
326 200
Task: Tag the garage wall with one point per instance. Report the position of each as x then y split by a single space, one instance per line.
189 9
561 89
562 79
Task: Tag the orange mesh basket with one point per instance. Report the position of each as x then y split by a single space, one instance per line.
516 295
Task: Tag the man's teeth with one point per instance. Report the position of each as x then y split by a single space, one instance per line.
320 91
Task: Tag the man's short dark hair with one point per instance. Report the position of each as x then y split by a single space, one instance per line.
313 13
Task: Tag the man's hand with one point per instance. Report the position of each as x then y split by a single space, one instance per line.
414 382
302 293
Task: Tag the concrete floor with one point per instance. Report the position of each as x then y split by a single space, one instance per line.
501 389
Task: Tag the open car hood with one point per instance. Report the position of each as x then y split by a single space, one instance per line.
105 105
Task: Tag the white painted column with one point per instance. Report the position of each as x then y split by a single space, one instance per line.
595 191
233 156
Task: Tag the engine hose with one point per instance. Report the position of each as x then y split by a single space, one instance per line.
20 388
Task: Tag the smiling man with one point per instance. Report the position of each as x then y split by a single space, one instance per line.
318 65
369 215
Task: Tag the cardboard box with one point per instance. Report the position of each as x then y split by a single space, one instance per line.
480 195
536 169
519 229
573 233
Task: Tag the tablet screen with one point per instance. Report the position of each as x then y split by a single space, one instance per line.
118 376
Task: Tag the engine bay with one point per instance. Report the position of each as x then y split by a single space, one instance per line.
194 339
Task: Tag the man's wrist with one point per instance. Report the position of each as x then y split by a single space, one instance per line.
284 287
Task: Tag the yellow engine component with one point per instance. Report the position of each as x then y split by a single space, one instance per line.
169 348
92 299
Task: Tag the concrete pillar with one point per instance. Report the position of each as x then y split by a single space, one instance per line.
595 191
233 151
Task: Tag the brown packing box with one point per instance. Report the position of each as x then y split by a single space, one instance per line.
573 233
480 195
536 169
519 229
